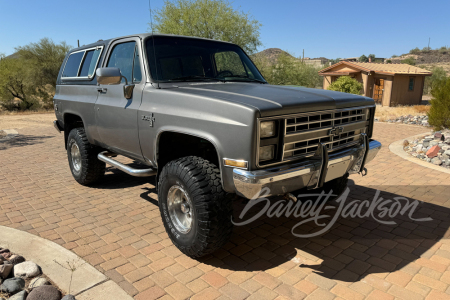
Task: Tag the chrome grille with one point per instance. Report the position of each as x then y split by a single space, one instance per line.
305 131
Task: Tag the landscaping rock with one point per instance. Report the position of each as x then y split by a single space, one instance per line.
433 152
37 282
12 285
16 259
45 292
436 161
27 269
68 297
5 253
5 269
19 296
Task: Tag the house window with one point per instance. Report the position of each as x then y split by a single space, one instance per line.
411 84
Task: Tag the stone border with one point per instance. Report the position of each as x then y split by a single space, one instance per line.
10 133
87 283
397 148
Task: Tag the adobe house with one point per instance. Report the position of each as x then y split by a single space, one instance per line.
387 84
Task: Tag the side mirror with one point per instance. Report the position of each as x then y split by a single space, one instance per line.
108 76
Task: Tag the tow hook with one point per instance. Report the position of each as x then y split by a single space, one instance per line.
363 172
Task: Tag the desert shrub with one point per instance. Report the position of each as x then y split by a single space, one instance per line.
394 56
363 58
438 75
346 84
289 70
410 61
389 61
439 114
414 51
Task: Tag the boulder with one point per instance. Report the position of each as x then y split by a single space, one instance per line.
19 296
45 292
432 152
68 297
16 259
27 269
12 285
5 269
36 282
434 143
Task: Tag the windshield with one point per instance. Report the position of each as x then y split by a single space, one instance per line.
186 59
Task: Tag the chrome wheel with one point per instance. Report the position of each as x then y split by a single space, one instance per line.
76 157
181 210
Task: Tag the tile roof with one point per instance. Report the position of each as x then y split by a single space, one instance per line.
381 68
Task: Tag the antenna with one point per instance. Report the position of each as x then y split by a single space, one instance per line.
153 40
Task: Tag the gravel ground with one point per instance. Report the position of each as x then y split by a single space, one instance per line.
26 120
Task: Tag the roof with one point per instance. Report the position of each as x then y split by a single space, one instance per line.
382 68
142 35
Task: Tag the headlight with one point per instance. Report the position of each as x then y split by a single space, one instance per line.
267 129
266 152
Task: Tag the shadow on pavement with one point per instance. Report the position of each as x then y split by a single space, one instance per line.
352 248
23 140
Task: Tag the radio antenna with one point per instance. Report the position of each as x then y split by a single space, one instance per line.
153 40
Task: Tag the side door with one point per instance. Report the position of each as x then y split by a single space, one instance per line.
116 116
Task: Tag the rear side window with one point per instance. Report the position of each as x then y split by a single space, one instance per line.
82 64
72 65
90 62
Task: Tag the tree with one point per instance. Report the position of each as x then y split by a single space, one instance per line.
439 114
346 84
335 61
415 51
213 19
288 70
28 80
438 75
372 57
363 58
410 61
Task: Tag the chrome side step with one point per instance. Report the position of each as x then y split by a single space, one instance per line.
106 157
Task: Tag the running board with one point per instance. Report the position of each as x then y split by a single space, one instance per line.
106 157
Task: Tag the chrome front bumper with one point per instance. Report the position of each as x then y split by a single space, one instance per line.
311 173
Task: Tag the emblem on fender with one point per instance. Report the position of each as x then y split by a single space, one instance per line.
149 118
336 131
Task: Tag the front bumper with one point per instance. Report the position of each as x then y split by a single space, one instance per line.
308 173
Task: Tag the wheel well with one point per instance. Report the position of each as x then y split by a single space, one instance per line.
71 121
173 145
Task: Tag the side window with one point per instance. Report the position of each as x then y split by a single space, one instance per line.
73 64
122 57
229 61
411 84
137 74
90 62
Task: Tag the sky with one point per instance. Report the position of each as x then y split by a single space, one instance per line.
327 28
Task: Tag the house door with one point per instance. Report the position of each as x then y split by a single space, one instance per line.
378 91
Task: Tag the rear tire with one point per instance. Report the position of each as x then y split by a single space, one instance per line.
86 168
195 210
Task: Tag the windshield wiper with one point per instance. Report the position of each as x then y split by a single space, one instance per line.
184 78
246 77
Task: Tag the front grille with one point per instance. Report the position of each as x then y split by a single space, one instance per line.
305 131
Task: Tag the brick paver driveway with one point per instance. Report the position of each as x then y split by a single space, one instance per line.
116 226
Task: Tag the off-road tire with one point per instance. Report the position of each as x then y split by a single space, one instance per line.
92 169
211 224
338 185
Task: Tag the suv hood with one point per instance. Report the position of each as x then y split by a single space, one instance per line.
271 100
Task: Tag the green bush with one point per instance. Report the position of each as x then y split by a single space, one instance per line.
363 58
389 61
438 75
346 84
410 61
414 51
439 114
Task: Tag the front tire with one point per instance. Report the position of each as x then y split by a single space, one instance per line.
86 168
195 210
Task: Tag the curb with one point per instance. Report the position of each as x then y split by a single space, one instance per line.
397 148
87 283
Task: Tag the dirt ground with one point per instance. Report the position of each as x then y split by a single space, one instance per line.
19 121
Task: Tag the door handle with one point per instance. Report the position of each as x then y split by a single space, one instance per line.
102 90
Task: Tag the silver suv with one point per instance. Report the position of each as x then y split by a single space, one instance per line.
198 115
